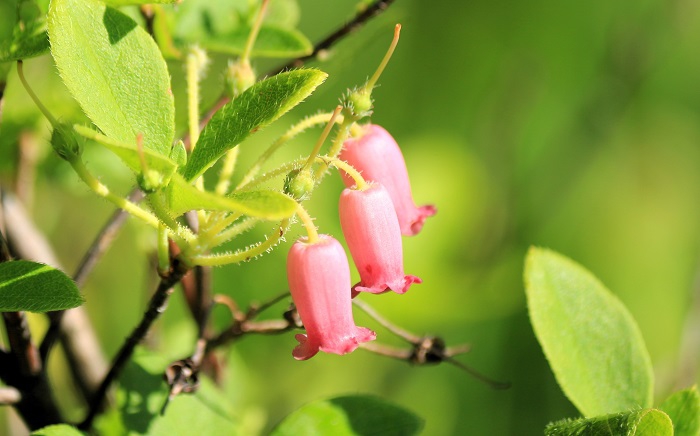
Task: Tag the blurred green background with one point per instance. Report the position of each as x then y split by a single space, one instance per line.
574 126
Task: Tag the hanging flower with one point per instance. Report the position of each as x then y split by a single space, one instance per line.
378 157
372 232
319 280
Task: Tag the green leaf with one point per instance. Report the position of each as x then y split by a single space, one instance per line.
270 205
142 393
35 287
683 407
130 155
254 109
646 422
593 344
350 415
115 71
198 20
58 430
273 42
29 38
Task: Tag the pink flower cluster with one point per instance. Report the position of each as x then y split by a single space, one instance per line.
373 221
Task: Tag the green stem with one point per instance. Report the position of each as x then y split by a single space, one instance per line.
322 138
308 224
360 182
373 80
337 145
227 171
37 102
196 60
289 135
163 250
253 35
104 192
243 255
233 231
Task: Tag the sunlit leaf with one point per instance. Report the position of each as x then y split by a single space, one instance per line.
683 407
58 430
254 109
350 415
142 394
35 287
114 70
645 422
130 154
593 344
270 205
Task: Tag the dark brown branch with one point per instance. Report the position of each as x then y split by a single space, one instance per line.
156 306
326 43
26 354
361 18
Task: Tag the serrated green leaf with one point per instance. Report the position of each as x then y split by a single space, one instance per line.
35 287
592 343
58 430
29 38
683 407
645 422
254 109
115 71
270 205
350 415
273 42
130 154
142 393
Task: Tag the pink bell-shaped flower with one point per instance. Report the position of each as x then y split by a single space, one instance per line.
319 280
372 232
377 156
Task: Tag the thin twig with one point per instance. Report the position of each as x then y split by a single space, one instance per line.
156 307
398 331
26 353
361 18
9 396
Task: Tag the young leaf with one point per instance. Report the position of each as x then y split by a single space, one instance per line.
115 71
683 407
254 109
350 415
58 430
273 42
270 205
35 287
644 422
129 153
593 345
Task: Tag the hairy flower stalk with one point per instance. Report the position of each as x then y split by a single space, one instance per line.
372 232
319 280
378 157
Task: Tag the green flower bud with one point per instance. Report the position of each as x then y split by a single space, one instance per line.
65 142
299 184
239 77
360 103
150 181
